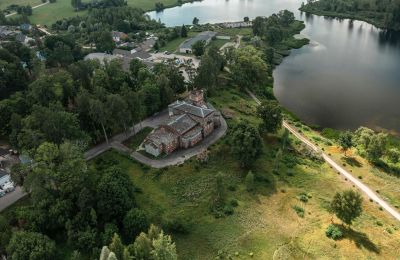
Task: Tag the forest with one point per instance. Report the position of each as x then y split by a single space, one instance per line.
384 14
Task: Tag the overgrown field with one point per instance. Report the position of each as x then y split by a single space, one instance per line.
264 224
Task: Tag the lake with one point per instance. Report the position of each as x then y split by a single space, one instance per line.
348 76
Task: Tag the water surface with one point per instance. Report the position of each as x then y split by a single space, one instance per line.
347 77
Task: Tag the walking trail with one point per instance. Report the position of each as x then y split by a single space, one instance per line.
34 7
364 188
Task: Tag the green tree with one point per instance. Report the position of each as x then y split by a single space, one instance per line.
376 147
246 19
135 221
184 32
142 247
248 69
116 247
31 245
198 48
346 141
19 173
393 155
5 234
104 41
347 206
118 108
164 248
245 143
271 115
249 180
99 114
76 4
115 194
195 21
218 198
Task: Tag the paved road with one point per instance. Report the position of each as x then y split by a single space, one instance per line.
11 198
364 188
34 7
180 156
152 121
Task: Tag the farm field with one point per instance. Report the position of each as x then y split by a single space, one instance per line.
264 224
5 3
48 14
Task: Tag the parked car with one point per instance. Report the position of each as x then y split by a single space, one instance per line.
8 187
2 193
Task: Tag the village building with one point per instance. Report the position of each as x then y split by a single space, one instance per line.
190 121
118 36
186 46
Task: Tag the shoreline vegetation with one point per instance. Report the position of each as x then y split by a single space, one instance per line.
382 14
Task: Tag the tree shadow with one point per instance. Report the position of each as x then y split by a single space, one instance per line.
360 239
352 161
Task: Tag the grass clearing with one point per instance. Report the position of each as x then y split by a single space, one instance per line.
264 223
138 138
172 46
5 3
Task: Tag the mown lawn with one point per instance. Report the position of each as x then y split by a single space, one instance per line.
264 223
172 46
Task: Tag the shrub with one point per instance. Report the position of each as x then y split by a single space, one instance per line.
228 210
299 210
233 203
379 223
303 197
249 180
360 177
231 187
176 224
334 232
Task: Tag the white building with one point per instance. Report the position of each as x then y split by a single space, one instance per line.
186 46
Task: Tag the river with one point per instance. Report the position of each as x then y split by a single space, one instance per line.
348 76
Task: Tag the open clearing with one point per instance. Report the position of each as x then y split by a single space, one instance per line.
264 223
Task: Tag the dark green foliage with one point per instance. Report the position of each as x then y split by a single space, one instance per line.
299 211
271 115
228 210
195 21
135 221
347 206
334 232
233 203
245 143
177 224
385 13
184 32
159 6
104 41
5 234
198 48
31 245
115 195
218 196
249 181
346 141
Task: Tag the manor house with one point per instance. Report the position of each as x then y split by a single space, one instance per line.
190 121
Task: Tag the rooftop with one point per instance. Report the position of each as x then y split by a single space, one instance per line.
203 36
182 123
102 57
191 109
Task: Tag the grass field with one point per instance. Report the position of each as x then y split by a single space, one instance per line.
172 46
385 184
5 3
264 223
48 14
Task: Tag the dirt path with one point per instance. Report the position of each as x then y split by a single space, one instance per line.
34 7
364 188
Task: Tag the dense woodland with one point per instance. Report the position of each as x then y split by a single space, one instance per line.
383 13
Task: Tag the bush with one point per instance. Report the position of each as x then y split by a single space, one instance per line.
299 210
228 210
176 224
234 203
231 187
333 232
303 197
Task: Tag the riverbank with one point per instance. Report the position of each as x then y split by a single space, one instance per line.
377 23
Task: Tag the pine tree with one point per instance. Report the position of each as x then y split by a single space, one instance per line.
117 247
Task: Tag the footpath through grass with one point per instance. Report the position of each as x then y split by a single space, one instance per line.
264 224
